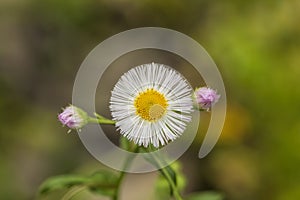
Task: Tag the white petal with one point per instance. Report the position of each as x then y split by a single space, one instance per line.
166 81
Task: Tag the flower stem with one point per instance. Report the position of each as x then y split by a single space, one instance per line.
173 186
127 163
167 175
101 120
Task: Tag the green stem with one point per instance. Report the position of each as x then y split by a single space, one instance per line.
101 120
173 186
166 174
176 193
122 173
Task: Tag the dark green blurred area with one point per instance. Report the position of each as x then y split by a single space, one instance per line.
256 45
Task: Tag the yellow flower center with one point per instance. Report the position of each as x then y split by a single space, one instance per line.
150 105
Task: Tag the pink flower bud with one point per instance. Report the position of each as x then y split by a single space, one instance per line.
73 117
206 97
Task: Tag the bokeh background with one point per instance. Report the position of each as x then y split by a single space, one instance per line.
254 43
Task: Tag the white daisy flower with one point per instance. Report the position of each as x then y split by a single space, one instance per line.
151 104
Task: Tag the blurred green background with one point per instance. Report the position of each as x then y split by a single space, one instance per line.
254 43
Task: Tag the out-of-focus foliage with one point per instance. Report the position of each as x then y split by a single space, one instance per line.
206 196
162 188
255 44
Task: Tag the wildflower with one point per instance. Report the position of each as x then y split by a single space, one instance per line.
151 104
73 117
206 97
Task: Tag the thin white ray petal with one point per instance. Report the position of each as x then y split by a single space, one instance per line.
164 80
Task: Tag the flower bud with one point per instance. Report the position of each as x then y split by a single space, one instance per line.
73 117
206 97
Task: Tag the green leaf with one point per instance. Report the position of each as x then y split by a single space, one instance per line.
172 173
101 182
180 177
209 195
104 183
61 182
162 187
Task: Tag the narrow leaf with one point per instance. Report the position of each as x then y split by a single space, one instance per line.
61 182
104 183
